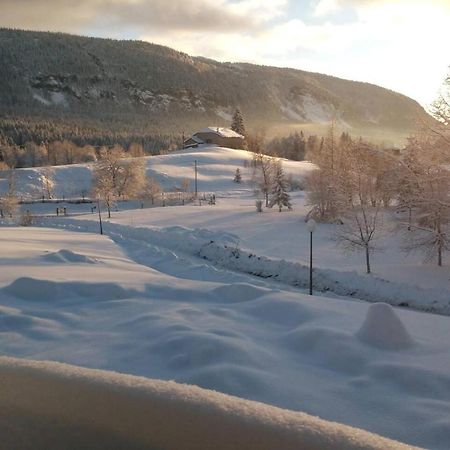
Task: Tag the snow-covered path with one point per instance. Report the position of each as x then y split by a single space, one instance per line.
182 252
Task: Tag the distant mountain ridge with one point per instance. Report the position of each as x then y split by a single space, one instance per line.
143 87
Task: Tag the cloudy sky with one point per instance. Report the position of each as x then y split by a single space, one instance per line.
398 44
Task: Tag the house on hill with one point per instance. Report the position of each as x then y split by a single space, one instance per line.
222 137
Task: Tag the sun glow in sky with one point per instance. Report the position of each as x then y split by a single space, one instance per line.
398 44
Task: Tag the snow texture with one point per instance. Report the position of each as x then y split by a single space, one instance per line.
47 405
148 310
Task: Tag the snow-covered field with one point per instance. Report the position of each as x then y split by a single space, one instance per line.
171 293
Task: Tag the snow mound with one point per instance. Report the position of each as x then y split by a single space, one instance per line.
33 289
49 405
382 328
67 256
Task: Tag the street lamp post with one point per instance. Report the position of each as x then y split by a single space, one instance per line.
99 215
311 225
195 169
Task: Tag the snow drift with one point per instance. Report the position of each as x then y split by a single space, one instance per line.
45 405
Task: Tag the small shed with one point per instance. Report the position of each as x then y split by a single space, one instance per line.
222 137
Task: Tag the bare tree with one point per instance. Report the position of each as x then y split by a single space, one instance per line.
262 175
361 222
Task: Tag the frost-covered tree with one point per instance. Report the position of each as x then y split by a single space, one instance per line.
152 189
279 191
237 176
427 186
131 179
262 176
361 222
47 181
440 108
237 123
9 202
185 183
322 184
359 204
115 178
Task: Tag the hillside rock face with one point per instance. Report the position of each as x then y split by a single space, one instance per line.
53 74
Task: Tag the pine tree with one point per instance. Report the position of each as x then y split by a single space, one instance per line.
237 176
279 194
237 123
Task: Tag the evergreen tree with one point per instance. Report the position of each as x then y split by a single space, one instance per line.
237 176
279 194
237 123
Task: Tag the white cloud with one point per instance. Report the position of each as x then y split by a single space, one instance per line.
389 45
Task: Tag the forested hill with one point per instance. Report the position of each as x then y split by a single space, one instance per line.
134 88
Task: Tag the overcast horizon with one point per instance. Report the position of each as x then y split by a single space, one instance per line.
394 44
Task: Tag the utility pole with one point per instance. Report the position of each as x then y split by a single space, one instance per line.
195 168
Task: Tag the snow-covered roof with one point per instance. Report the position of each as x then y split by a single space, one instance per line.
222 132
197 139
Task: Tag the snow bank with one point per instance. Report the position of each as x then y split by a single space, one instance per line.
46 405
384 329
222 249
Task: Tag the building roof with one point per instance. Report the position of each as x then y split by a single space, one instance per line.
222 132
196 139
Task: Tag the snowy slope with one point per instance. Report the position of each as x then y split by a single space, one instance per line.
49 405
78 298
216 169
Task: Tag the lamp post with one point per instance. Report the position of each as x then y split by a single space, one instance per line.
311 225
99 215
195 170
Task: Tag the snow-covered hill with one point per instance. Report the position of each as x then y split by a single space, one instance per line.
216 170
